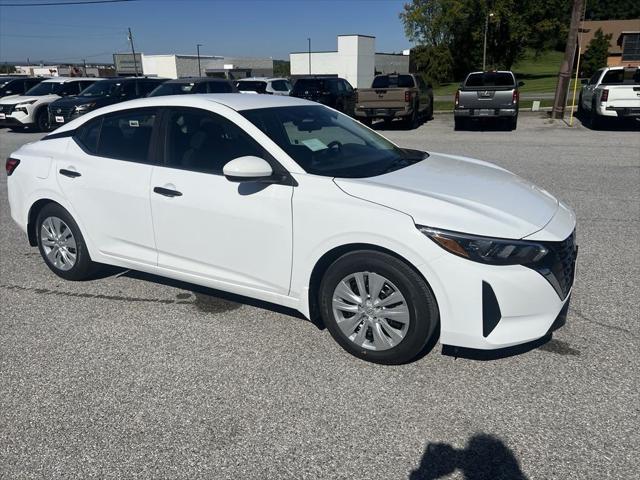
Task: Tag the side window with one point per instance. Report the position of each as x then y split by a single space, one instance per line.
84 85
347 86
88 135
144 88
279 85
200 88
70 88
594 78
127 135
202 141
219 87
340 86
128 90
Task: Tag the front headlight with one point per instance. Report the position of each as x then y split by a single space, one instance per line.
494 251
24 104
85 106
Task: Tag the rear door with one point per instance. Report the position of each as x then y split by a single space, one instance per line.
208 227
105 175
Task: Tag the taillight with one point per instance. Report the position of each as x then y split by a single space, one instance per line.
605 95
457 99
11 165
516 97
407 96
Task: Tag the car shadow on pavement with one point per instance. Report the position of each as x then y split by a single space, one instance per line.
211 300
485 355
485 457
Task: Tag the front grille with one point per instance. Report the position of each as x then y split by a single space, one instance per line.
66 112
7 109
559 265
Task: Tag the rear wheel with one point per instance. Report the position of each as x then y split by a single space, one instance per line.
513 123
62 245
412 120
366 120
459 123
595 121
377 307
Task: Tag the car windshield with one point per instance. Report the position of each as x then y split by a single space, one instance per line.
393 81
252 86
622 76
5 81
490 79
105 88
172 88
325 142
45 88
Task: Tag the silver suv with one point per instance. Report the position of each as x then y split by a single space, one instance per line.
272 86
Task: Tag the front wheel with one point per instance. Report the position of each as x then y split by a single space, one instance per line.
377 307
42 120
62 245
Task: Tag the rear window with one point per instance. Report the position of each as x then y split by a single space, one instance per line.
310 84
393 81
490 79
252 86
172 89
626 76
220 87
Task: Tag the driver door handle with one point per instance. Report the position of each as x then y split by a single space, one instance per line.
69 173
167 192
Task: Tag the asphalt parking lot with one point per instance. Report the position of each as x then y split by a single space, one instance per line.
133 376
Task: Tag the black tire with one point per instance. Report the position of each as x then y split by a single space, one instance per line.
580 112
420 301
413 120
459 123
366 121
83 268
513 123
42 121
430 110
595 122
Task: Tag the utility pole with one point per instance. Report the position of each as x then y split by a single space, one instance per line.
133 50
564 76
309 40
84 62
484 50
199 69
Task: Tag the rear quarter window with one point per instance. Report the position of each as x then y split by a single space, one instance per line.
88 134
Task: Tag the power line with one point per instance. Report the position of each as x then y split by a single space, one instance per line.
78 2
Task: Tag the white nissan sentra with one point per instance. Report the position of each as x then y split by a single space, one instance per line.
291 202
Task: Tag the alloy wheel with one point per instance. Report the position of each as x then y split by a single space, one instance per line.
58 243
370 311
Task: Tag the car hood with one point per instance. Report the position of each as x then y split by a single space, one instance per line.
79 100
26 98
460 194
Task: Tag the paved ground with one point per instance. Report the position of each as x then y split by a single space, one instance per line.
135 377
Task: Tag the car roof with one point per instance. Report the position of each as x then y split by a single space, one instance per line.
261 79
71 79
197 80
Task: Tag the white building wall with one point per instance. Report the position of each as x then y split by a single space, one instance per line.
322 63
163 66
357 59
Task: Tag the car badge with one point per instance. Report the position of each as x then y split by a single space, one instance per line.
59 110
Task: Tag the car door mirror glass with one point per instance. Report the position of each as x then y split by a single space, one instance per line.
521 84
247 169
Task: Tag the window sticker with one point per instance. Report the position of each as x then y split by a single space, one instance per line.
314 144
134 123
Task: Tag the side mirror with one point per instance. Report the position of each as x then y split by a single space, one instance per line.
247 169
521 84
584 81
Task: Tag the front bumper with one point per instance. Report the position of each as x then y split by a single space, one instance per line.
485 112
490 307
16 119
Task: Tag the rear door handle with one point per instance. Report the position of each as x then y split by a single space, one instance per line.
167 192
69 173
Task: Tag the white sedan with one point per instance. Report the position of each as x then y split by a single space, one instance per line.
291 202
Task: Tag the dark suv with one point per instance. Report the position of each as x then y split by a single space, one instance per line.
182 86
100 94
17 85
331 91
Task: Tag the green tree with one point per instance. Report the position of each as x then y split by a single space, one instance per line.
596 54
6 68
281 68
612 9
434 62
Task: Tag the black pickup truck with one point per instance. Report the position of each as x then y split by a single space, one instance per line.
492 94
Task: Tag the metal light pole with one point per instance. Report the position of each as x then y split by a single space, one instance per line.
309 40
133 50
199 69
484 50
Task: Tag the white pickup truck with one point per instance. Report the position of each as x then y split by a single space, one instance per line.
612 92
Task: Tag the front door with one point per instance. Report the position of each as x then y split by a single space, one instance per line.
206 226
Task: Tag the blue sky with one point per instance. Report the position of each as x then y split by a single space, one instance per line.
263 28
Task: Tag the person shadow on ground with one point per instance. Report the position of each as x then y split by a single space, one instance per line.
485 457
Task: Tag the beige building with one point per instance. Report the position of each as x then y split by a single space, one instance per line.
624 47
